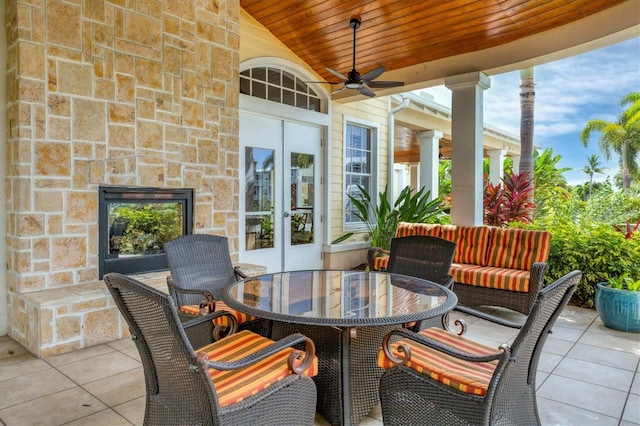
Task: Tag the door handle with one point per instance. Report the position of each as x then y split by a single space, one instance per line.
286 214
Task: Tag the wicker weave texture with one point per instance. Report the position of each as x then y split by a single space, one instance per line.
411 398
348 377
201 263
179 390
426 257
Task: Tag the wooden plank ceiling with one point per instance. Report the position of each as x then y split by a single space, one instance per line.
402 33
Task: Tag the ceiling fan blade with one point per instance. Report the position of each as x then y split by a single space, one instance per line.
364 90
336 73
381 84
325 82
339 90
373 74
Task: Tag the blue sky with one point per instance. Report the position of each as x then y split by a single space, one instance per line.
569 92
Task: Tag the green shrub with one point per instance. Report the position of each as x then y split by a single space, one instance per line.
596 249
148 227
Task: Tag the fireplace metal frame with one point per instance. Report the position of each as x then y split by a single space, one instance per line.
125 194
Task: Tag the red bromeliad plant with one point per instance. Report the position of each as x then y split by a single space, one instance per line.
508 201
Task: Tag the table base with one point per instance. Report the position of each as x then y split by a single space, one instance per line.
348 377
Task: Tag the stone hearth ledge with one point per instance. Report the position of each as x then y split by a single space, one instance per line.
66 319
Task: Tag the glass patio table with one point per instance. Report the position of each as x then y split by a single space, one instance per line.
346 313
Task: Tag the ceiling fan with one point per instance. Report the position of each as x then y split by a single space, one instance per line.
362 83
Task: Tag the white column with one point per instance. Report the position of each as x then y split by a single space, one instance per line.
414 175
429 153
496 165
466 146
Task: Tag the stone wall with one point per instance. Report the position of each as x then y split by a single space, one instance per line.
115 92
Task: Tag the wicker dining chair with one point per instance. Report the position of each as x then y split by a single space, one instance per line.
241 379
200 268
425 257
437 377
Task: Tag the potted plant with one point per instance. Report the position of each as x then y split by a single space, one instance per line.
618 302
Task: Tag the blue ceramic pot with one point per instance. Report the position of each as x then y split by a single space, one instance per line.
618 309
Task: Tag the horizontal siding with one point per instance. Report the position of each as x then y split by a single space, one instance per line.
372 110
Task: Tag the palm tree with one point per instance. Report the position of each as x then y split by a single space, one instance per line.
622 136
592 167
527 98
549 181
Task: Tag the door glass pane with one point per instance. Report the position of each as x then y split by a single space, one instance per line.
302 193
259 223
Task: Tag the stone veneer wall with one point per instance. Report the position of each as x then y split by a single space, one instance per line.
115 92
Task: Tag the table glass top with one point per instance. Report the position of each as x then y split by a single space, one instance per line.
346 297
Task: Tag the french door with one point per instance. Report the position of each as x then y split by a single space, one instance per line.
280 194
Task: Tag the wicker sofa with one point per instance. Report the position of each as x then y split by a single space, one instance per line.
492 266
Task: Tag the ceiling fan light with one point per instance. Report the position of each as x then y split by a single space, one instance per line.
353 85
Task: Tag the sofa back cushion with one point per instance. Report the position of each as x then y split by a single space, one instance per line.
518 248
471 243
406 229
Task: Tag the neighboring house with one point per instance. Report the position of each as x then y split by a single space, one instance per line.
105 95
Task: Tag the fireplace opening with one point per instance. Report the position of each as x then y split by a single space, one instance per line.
135 223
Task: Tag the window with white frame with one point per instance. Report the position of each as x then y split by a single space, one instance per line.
359 167
280 86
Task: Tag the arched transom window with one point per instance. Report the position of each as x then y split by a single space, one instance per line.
280 86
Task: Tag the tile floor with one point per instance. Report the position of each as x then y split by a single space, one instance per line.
587 375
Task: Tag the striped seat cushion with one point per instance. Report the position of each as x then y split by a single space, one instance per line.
465 376
233 386
380 263
220 306
491 277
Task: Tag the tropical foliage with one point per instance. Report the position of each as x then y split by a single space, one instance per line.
508 201
593 166
381 218
145 228
621 137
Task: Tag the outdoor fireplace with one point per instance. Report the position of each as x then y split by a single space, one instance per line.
134 223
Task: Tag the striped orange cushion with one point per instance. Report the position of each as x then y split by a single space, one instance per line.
491 277
471 243
235 385
463 273
465 376
380 263
220 306
404 229
518 248
431 229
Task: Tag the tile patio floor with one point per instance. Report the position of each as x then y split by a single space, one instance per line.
587 375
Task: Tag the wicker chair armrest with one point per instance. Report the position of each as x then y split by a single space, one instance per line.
171 283
536 276
503 353
487 317
199 319
372 253
286 342
219 330
239 274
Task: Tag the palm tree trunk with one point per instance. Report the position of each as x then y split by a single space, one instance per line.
527 98
626 175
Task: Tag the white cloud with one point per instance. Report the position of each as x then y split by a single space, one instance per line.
569 92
